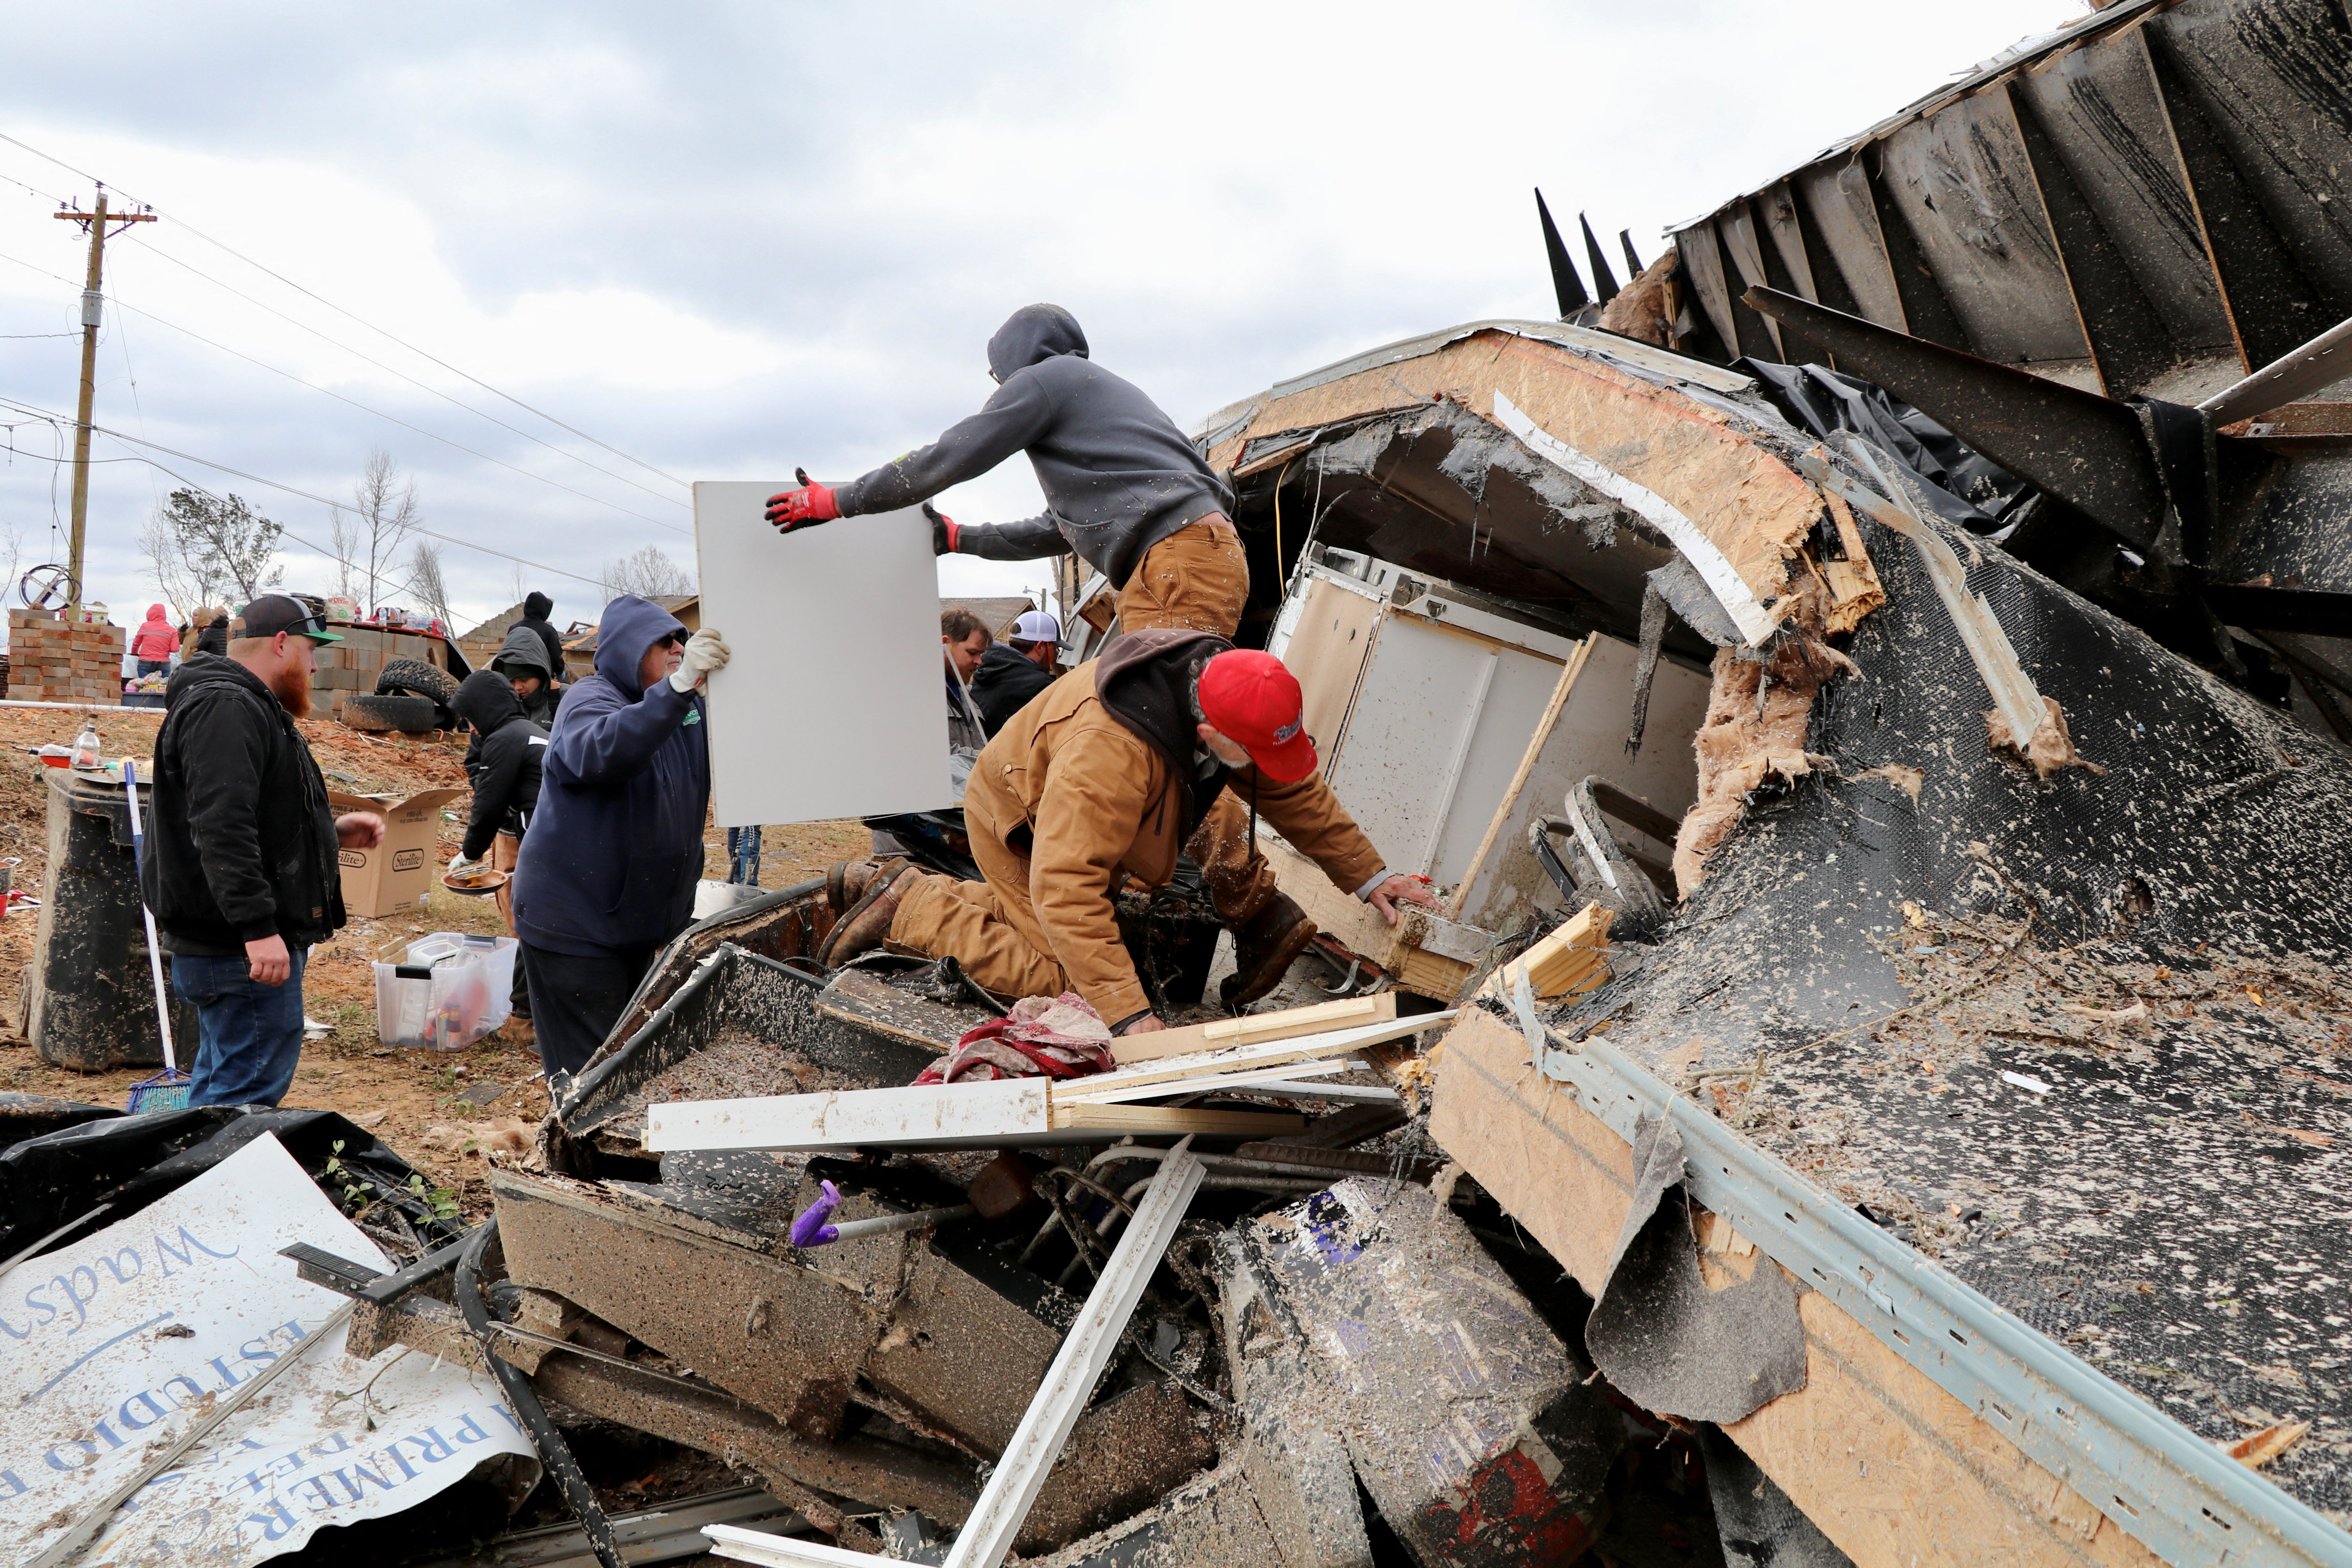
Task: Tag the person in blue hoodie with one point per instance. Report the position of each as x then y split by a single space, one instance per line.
608 870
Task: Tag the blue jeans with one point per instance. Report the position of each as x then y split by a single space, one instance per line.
251 1035
153 666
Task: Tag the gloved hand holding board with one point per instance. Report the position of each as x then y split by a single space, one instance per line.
829 706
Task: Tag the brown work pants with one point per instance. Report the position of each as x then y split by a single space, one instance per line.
993 928
1197 579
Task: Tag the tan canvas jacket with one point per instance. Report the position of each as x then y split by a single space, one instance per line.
1098 800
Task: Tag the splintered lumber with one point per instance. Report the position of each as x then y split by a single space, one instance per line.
1002 1113
1427 953
1247 1058
1571 961
1252 1027
1014 1485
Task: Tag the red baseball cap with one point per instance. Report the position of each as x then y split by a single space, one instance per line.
1254 701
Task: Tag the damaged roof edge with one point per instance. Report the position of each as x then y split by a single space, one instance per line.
1629 353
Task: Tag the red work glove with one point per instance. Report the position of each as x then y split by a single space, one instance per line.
943 530
805 508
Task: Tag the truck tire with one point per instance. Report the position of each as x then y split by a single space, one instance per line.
415 677
394 711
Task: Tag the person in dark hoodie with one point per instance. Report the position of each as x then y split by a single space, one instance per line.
608 870
1016 670
241 867
535 609
1131 497
1125 491
503 765
522 660
1106 776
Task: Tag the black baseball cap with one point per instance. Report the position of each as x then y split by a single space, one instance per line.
274 612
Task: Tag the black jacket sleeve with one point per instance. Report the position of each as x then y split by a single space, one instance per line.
1021 411
495 778
555 641
226 752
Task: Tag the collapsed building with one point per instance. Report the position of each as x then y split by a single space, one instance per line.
1872 694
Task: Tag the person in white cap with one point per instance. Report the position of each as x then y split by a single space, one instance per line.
1016 670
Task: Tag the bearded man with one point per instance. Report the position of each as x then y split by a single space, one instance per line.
241 869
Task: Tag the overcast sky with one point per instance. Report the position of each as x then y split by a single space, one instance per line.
729 239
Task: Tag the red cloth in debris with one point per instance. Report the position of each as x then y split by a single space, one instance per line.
1047 1036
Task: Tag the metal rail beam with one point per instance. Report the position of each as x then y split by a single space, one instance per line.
2182 1498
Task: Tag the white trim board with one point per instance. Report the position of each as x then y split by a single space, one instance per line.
1002 1113
1714 569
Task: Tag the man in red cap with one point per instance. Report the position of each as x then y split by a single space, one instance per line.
1108 773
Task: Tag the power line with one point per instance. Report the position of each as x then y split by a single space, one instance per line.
291 489
371 326
122 304
388 370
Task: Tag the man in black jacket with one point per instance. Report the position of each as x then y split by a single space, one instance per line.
502 764
1014 670
241 869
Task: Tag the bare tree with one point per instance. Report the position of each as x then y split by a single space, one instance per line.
425 580
386 513
203 546
648 573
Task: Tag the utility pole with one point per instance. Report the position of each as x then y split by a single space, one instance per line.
94 223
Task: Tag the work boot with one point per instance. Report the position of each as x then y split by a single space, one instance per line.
866 925
847 883
1263 946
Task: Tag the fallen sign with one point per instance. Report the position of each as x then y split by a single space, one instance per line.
1019 1112
131 1342
1014 1486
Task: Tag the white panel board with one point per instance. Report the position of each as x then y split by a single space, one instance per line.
831 704
1439 723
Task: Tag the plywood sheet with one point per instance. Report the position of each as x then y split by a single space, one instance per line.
1589 737
831 706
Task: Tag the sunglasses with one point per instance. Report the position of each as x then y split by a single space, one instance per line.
675 639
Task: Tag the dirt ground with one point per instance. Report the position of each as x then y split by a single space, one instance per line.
435 1109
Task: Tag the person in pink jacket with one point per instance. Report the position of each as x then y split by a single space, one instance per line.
155 642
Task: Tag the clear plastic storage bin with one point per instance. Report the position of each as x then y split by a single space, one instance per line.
445 991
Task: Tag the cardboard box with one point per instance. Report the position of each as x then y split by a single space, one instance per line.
398 873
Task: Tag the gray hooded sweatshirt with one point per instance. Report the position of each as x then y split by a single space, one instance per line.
1118 475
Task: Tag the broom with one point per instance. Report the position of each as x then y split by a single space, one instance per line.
168 1089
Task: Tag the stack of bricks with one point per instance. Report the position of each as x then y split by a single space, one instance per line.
54 661
352 665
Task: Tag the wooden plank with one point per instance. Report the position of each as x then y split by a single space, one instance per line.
995 1114
1358 928
1329 1043
1253 1028
1567 962
1895 1471
1175 1122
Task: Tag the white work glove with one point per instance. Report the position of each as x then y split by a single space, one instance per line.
459 863
706 650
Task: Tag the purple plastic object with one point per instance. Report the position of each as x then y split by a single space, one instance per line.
810 1229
